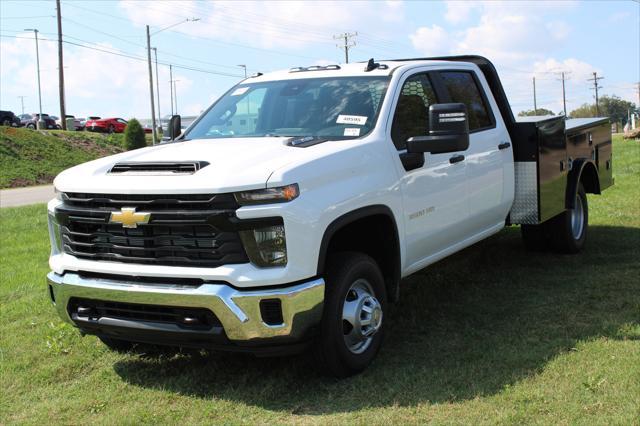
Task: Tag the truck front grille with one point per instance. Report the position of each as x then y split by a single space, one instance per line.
182 230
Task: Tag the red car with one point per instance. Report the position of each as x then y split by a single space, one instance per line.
108 125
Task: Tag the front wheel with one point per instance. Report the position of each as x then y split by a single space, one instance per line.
354 308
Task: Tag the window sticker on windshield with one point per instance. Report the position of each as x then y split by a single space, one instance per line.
240 91
352 119
352 131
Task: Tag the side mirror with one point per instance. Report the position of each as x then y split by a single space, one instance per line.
448 130
175 127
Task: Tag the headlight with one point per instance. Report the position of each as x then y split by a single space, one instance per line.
281 194
58 193
54 235
265 246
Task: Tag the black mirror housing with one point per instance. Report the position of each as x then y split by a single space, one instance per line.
175 127
448 130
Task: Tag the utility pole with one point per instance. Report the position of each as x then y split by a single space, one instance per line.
22 102
564 97
63 115
35 32
596 87
171 86
347 44
155 52
535 102
563 77
153 110
175 94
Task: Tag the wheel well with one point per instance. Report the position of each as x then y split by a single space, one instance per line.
375 235
589 179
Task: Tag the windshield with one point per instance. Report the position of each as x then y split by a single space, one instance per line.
335 108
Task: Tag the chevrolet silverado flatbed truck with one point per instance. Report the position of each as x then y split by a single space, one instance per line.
286 215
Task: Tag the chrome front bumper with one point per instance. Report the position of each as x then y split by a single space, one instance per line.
238 311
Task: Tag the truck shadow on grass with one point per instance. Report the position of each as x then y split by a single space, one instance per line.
466 327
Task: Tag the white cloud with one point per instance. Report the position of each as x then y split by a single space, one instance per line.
520 39
95 82
459 12
270 24
432 40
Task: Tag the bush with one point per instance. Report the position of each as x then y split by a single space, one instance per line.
134 135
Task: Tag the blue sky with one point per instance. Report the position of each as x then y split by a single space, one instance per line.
525 39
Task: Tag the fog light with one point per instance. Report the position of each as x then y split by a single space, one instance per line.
266 246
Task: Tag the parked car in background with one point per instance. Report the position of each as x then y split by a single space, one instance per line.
77 125
8 118
29 120
108 125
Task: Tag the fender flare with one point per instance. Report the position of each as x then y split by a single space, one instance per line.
580 167
352 216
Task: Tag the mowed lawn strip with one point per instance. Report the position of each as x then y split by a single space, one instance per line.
29 157
493 334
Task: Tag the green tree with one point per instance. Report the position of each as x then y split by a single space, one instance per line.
610 106
134 135
539 111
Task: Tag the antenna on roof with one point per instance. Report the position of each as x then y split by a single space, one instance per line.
372 65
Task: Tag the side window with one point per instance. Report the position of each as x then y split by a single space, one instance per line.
462 88
412 112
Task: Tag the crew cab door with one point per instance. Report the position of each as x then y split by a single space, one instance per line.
489 158
434 193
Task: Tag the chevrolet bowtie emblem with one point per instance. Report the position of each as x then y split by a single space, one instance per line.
128 217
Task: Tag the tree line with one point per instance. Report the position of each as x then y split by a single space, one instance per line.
609 106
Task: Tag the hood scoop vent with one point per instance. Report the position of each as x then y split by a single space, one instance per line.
158 168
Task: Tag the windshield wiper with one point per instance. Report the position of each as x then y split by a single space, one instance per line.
305 141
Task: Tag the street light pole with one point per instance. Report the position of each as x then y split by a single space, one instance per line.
22 102
171 86
153 110
155 52
245 70
35 32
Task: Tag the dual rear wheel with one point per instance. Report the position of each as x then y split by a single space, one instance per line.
566 233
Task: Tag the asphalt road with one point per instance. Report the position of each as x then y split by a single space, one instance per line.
24 196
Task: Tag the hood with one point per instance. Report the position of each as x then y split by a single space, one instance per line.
234 165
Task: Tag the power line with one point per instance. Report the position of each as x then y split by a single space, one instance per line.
27 17
130 56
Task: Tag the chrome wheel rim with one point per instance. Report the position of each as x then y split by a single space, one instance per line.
361 316
577 218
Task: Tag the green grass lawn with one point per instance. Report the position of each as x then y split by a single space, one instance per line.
490 335
30 157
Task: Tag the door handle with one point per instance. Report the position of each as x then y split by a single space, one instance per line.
456 159
504 145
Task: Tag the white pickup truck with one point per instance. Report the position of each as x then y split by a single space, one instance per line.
287 214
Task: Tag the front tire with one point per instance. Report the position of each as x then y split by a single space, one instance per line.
569 229
351 331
